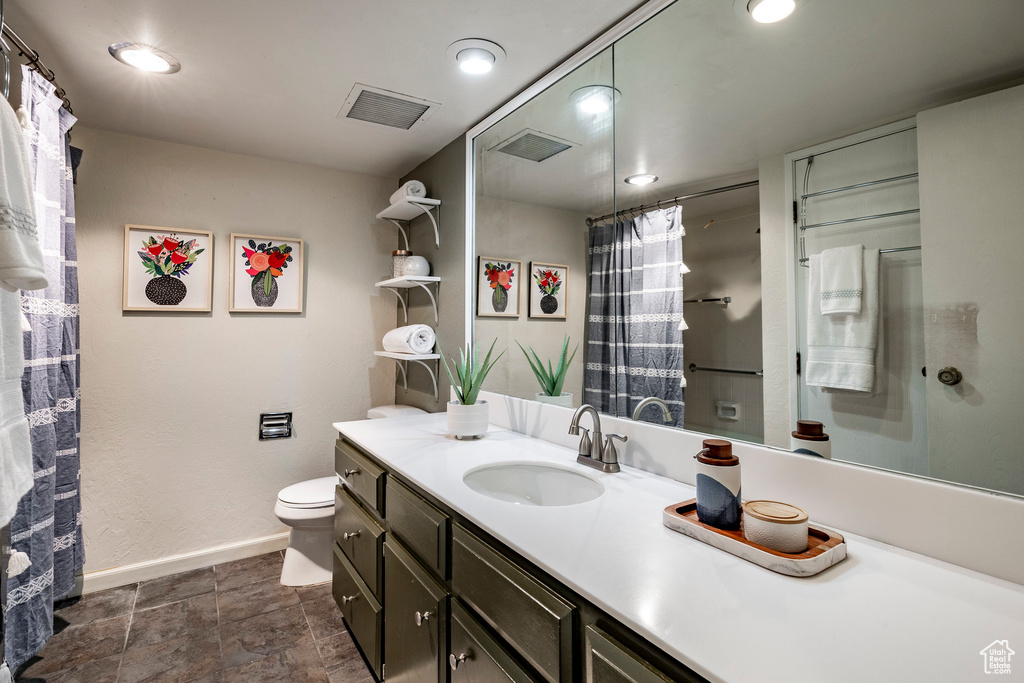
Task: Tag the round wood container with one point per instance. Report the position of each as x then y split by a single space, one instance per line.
775 525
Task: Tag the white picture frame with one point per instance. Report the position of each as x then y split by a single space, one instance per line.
281 257
167 270
492 273
549 290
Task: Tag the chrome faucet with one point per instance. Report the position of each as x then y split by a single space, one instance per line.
596 452
666 414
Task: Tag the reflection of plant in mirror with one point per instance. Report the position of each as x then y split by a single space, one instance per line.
551 379
500 277
470 371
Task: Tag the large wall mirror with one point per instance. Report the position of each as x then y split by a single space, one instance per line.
818 219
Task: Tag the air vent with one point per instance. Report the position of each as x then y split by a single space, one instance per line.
533 145
385 108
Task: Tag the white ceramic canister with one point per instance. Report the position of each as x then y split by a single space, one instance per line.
810 439
398 260
718 485
564 400
467 422
775 525
416 266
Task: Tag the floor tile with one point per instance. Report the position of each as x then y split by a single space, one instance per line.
297 665
98 671
315 592
175 587
167 622
212 678
95 606
250 570
78 645
262 635
174 661
324 617
342 660
256 598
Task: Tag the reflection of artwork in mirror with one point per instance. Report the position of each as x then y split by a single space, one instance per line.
498 287
548 290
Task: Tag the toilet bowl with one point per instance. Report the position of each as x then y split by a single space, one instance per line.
308 508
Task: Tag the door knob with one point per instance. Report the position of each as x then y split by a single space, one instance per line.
454 661
345 600
349 473
950 375
421 617
354 534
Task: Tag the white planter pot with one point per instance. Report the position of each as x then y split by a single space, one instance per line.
467 422
565 400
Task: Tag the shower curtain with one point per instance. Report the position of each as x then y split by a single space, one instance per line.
634 345
48 523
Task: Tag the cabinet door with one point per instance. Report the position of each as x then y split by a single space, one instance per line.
360 538
610 662
415 620
362 612
475 657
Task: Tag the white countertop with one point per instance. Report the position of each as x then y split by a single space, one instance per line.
883 614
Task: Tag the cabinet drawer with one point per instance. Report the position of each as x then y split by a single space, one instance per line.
476 656
534 620
360 538
415 620
608 661
421 526
362 612
362 476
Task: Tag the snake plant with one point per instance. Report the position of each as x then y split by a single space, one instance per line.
551 378
470 372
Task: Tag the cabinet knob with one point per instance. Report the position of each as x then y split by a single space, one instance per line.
454 661
349 473
347 599
354 534
950 376
421 617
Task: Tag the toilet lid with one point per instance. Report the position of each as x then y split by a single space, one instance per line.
310 494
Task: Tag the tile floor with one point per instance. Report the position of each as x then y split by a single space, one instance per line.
222 624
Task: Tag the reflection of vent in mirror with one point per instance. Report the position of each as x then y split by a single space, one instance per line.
374 105
533 145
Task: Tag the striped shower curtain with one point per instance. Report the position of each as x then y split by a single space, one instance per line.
634 345
48 524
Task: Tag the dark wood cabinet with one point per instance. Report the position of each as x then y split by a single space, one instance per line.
361 474
608 661
421 527
415 620
477 657
361 538
363 614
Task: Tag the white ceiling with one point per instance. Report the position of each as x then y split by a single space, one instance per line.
705 93
268 78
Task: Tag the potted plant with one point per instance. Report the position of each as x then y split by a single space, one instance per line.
552 379
167 259
467 417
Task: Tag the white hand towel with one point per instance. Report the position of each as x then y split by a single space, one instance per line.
413 188
841 349
418 339
842 281
21 259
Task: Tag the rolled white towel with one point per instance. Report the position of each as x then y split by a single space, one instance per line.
417 339
413 188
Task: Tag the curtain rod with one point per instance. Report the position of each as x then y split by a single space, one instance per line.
34 62
675 201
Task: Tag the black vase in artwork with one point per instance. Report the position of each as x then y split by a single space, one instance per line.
259 292
548 304
166 290
499 299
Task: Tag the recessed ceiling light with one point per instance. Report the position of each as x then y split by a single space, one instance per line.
770 11
642 179
476 55
144 58
595 99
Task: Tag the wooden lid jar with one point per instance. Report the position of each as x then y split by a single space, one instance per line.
775 525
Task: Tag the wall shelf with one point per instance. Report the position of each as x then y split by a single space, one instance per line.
420 358
397 284
412 207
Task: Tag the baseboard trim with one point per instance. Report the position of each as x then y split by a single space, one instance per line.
197 559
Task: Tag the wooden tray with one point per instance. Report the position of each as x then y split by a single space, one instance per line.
824 547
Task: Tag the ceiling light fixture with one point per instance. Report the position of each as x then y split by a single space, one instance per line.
642 179
144 58
476 55
595 99
770 11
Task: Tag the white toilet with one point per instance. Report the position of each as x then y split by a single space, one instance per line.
308 508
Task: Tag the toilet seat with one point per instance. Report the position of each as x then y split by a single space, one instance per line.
311 494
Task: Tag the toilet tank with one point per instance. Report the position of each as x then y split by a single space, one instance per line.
379 412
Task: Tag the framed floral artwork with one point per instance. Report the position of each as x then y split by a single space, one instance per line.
498 287
167 269
548 290
265 274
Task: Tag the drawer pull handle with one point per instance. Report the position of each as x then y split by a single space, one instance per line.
454 661
354 534
347 599
349 473
421 617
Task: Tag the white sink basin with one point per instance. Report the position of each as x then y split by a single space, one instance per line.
530 483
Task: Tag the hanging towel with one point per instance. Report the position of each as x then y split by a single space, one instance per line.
841 349
413 188
842 280
417 339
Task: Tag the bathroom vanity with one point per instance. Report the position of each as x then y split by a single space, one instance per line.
439 582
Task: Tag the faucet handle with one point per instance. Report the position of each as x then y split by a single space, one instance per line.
610 454
585 442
